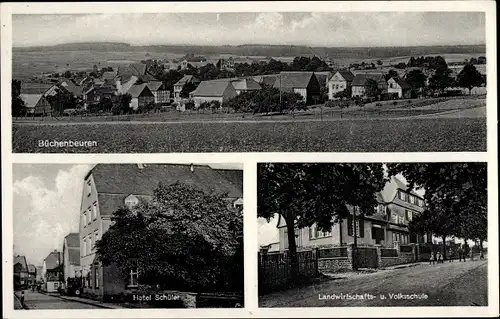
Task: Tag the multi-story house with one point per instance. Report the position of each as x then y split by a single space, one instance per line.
359 83
161 94
304 83
21 272
387 226
339 82
108 187
31 275
398 88
180 84
71 256
52 271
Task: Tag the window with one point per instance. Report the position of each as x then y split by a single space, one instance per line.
84 252
420 203
94 211
96 236
89 188
89 215
96 277
402 196
315 233
410 215
412 199
84 219
90 277
89 245
133 278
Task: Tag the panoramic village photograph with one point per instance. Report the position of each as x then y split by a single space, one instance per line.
119 236
257 82
372 234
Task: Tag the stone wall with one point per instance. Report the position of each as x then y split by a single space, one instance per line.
336 264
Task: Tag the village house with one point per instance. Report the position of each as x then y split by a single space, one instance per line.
21 271
52 271
180 84
304 83
387 226
360 80
36 104
398 88
245 85
71 257
108 187
141 96
161 94
339 82
219 90
31 275
98 93
138 70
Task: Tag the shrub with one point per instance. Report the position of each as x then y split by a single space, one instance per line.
395 103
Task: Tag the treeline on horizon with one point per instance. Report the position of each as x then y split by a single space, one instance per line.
265 50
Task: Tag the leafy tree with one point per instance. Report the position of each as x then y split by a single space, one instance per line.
345 94
67 74
185 238
18 106
391 74
441 79
416 79
215 105
189 105
371 88
400 65
123 105
106 104
186 89
455 196
321 193
379 62
61 101
469 77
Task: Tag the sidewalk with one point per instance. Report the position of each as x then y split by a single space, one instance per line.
87 301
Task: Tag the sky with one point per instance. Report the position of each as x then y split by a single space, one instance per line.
46 206
332 29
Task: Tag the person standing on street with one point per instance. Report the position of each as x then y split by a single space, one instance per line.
431 259
22 298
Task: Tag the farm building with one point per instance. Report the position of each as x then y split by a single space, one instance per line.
21 271
215 90
52 271
36 104
98 93
180 84
162 95
141 96
398 88
304 83
245 85
359 83
339 82
266 80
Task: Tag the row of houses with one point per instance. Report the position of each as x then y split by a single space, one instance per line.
386 227
107 187
25 275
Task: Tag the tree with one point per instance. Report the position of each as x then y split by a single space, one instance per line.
123 105
18 106
400 65
469 77
186 89
441 79
106 104
189 105
455 196
391 74
67 74
416 79
379 62
185 238
371 88
61 101
321 193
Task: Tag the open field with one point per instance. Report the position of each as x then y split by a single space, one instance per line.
363 135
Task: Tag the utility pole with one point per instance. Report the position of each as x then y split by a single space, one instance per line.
355 246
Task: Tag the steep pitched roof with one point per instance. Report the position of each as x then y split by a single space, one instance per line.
293 79
234 176
154 86
246 85
138 68
360 79
391 188
322 79
53 260
74 89
185 79
30 100
402 83
108 75
212 88
136 89
126 179
34 88
22 261
73 240
346 74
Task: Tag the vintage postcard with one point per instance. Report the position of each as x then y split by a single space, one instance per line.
249 159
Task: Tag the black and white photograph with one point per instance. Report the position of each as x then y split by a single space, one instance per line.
372 234
119 236
257 81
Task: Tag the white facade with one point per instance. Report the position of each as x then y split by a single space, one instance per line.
336 84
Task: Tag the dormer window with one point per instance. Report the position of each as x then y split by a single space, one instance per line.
131 201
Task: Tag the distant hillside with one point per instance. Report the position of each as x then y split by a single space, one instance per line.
266 50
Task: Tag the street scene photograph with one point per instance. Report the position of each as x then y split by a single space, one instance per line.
120 236
255 81
372 234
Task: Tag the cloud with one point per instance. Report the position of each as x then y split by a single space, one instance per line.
44 215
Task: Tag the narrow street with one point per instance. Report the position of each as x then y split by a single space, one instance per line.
35 300
448 284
